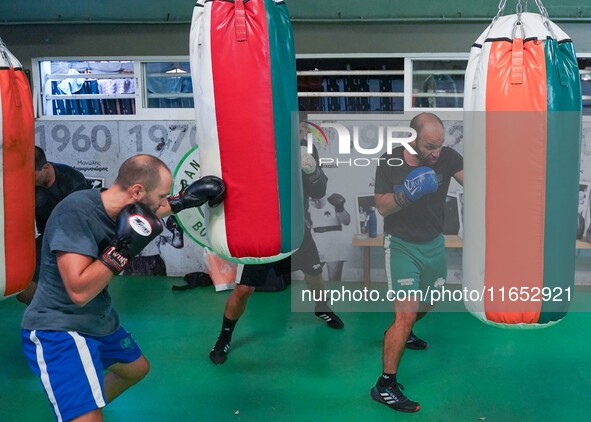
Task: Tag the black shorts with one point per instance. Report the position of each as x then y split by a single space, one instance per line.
305 259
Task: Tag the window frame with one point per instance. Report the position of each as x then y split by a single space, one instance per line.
341 72
142 112
407 73
182 114
409 79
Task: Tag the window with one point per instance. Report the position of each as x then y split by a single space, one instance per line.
168 85
161 87
87 87
351 84
437 83
134 88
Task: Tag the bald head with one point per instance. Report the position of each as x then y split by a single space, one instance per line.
425 119
430 137
144 169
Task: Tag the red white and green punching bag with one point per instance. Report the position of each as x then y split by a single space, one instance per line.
17 156
522 138
245 88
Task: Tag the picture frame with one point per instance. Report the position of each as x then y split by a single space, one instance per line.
452 220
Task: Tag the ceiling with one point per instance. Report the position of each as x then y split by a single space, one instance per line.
14 12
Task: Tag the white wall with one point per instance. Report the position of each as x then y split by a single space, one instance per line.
170 140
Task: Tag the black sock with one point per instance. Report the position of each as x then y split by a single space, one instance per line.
227 329
387 379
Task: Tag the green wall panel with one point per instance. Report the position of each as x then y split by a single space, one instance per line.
421 9
39 11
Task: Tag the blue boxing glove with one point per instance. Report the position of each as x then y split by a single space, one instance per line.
418 183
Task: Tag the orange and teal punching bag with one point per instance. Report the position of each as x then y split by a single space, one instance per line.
17 156
522 139
245 88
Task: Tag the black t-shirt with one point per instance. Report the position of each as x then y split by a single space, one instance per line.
67 180
422 221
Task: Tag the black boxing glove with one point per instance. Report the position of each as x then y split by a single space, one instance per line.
171 224
209 189
337 201
136 226
177 239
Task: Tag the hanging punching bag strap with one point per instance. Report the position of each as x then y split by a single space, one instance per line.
517 51
240 23
517 62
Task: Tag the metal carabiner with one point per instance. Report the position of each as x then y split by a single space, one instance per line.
518 24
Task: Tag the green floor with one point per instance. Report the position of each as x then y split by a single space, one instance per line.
287 366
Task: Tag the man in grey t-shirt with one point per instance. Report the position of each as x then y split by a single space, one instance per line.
71 334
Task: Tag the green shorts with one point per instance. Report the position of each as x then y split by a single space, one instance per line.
414 266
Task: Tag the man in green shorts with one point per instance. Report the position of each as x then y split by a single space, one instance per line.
411 197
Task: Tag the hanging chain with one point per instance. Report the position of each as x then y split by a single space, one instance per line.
520 8
500 12
518 23
545 17
3 49
543 10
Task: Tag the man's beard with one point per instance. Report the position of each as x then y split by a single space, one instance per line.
424 160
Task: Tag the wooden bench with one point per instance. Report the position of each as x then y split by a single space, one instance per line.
451 241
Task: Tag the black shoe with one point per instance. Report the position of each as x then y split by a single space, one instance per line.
331 319
415 343
218 354
196 279
393 397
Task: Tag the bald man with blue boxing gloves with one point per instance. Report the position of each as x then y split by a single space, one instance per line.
411 197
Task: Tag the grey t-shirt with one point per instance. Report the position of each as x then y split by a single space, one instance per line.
79 224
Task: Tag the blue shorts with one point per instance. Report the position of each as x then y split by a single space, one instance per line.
71 366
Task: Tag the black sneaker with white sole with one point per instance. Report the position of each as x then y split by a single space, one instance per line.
218 354
415 343
331 319
393 397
